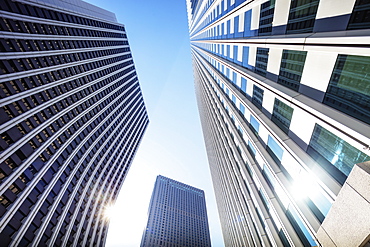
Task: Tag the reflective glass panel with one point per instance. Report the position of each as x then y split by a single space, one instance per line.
300 227
282 115
245 56
336 151
251 149
275 148
261 61
360 17
255 124
257 97
270 178
302 15
242 108
349 87
234 77
291 67
266 17
244 85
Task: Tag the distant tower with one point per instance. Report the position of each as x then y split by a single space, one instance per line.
71 118
177 216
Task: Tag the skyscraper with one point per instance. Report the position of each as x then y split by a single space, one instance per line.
72 117
283 94
177 216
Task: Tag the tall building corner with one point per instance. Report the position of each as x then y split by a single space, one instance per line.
283 95
72 116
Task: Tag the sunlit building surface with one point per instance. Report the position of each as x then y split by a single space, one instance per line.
177 216
283 90
71 119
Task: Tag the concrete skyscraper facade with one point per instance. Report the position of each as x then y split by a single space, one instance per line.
283 94
177 216
72 117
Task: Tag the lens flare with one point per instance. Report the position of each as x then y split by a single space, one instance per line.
109 212
304 186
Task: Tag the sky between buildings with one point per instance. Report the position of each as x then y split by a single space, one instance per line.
173 144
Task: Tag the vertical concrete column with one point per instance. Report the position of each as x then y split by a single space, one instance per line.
348 221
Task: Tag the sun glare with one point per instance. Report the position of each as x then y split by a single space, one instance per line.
109 212
303 186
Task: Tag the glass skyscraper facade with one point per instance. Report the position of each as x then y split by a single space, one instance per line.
283 94
71 118
177 216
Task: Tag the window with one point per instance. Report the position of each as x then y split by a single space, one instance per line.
233 98
227 73
291 67
302 15
243 86
245 56
318 204
254 124
247 23
234 77
269 177
228 29
236 27
242 108
300 227
257 97
264 197
235 54
240 131
335 155
349 87
274 149
261 61
4 201
282 115
360 16
251 149
266 17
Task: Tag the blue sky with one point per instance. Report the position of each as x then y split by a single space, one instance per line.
173 144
